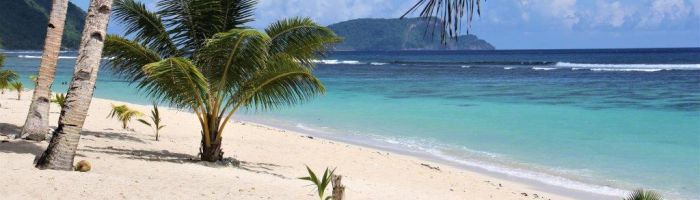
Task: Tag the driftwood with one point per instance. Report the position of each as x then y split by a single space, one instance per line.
338 188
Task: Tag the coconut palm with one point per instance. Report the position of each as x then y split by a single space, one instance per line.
59 99
641 194
6 78
452 13
61 150
155 121
124 114
19 87
209 63
37 121
322 183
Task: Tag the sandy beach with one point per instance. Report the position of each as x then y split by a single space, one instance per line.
132 165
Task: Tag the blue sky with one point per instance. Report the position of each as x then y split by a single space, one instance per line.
523 24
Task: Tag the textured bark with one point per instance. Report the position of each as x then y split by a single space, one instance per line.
338 187
37 123
61 151
211 153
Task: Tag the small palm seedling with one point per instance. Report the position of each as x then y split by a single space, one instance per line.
641 194
155 120
7 77
322 184
34 79
124 114
59 99
19 87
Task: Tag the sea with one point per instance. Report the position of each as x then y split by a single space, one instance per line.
603 121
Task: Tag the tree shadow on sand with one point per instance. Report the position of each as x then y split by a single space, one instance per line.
113 135
9 130
180 158
21 147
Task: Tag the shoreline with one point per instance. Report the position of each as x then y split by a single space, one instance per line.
478 182
523 176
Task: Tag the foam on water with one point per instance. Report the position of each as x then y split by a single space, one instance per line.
336 62
628 67
544 68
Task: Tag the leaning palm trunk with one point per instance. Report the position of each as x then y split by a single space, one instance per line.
37 122
61 151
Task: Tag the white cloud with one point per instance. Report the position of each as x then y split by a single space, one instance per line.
664 10
614 13
562 10
696 6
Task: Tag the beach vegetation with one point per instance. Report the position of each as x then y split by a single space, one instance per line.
6 76
208 62
155 122
60 99
124 114
452 13
641 194
321 183
19 87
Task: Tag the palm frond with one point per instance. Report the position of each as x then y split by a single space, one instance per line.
146 26
175 80
641 194
124 114
59 99
128 57
18 86
236 13
233 56
300 38
284 82
321 184
191 22
451 12
2 60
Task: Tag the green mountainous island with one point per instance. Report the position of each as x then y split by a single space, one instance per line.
23 24
400 34
23 27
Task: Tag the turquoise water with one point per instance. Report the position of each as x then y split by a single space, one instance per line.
603 121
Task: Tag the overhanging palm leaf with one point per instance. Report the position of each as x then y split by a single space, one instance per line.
128 57
145 26
175 80
299 38
452 13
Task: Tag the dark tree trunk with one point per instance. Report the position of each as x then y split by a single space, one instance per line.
212 153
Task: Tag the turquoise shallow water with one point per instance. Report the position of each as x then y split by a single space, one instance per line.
603 121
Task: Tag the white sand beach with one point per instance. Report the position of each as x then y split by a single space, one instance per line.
132 165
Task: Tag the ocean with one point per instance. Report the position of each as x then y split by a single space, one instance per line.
604 121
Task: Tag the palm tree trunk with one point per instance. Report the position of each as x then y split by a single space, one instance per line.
37 122
211 152
61 151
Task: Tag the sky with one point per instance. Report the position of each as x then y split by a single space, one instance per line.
521 24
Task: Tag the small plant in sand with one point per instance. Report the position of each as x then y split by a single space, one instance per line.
321 184
124 114
34 79
60 99
6 78
19 87
641 194
155 120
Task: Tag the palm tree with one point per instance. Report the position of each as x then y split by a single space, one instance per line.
61 150
19 87
641 194
124 114
452 13
155 120
59 99
37 121
206 62
7 77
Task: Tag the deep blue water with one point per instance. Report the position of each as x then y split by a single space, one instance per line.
603 121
